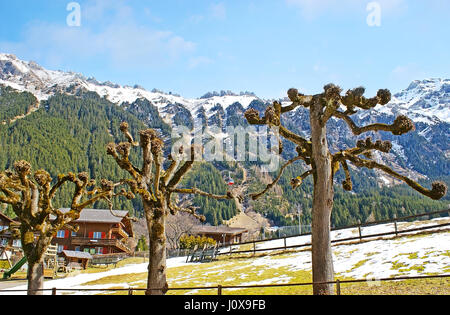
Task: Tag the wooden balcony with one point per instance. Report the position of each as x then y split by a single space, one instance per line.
120 231
82 241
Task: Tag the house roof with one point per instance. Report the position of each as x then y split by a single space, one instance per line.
5 218
79 255
218 230
103 216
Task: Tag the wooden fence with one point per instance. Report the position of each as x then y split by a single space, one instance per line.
360 237
221 288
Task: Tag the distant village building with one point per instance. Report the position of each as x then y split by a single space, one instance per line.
221 234
5 234
76 260
101 232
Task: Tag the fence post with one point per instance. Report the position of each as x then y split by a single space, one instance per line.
285 245
54 291
359 231
219 289
130 291
254 248
338 287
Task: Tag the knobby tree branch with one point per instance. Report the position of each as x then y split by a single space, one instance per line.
331 101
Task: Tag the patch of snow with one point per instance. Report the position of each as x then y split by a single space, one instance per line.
77 281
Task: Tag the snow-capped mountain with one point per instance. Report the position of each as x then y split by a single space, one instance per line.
30 77
423 154
426 101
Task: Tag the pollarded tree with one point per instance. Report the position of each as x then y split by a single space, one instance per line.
156 186
31 195
324 164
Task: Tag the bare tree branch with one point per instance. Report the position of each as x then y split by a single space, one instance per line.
123 162
438 190
124 128
195 191
296 182
175 162
347 183
277 179
189 210
354 98
297 100
401 125
187 166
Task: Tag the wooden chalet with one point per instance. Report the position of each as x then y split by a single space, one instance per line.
221 234
5 235
101 232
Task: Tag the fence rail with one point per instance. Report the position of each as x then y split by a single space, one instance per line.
360 236
220 288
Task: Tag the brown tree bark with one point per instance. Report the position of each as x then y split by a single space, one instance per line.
31 200
155 187
157 279
35 277
324 165
322 260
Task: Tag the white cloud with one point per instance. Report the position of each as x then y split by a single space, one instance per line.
311 9
108 33
407 72
219 11
196 62
197 18
122 45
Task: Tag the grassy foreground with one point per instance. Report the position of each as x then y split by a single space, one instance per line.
243 271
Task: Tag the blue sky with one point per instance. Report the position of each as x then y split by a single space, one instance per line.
265 46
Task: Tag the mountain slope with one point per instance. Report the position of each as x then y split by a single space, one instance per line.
82 115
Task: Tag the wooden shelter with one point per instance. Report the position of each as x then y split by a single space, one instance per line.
76 260
221 234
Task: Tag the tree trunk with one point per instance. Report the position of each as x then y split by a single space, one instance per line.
156 222
322 260
35 276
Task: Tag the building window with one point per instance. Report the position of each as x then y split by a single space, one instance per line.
78 249
61 234
60 249
99 250
90 251
74 234
17 243
97 235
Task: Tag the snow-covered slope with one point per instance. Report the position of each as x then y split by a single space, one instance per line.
29 76
411 255
423 101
